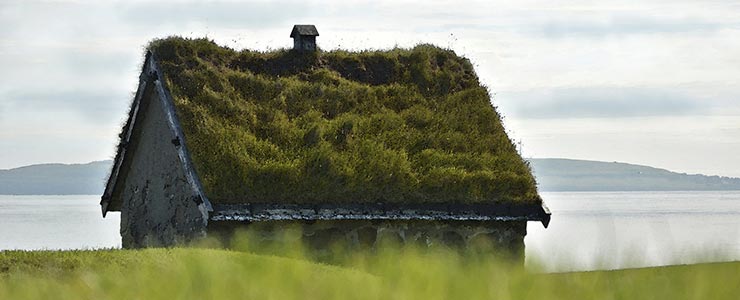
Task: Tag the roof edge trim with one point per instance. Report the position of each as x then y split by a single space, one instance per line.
144 80
182 149
381 211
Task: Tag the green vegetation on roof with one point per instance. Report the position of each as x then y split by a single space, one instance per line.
411 126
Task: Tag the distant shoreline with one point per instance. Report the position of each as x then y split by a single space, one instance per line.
552 175
571 175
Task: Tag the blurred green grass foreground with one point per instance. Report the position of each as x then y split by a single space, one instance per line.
290 272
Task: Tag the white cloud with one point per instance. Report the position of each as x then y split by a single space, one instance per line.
630 52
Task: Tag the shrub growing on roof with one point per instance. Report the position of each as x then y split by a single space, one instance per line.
404 125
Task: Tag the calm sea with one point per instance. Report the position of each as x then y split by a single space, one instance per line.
608 230
56 222
602 230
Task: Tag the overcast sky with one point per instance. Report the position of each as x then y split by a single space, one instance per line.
648 82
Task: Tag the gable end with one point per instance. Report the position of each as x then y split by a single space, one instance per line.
149 80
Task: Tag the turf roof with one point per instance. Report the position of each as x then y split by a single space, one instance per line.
397 126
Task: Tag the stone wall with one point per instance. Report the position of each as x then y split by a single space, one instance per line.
158 207
504 237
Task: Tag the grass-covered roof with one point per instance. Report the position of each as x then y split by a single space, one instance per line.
397 126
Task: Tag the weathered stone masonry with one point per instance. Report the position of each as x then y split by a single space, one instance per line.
504 236
158 208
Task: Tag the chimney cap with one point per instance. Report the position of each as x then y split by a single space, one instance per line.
304 30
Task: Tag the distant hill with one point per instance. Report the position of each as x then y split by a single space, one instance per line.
554 174
55 179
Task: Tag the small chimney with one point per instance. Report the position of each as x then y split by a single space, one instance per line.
304 37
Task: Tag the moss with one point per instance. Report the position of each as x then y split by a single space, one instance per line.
404 125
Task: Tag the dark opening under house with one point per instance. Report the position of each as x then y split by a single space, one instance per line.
356 146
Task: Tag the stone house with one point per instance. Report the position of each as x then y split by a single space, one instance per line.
219 139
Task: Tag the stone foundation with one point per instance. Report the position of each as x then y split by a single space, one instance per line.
504 237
